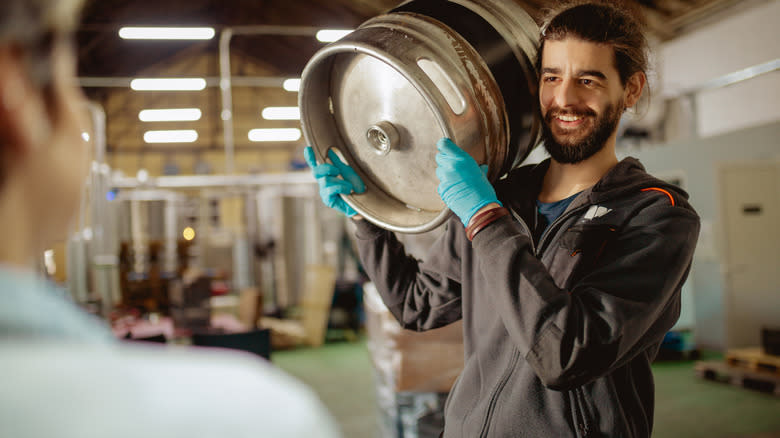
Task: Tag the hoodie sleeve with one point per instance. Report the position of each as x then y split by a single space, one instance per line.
420 296
624 304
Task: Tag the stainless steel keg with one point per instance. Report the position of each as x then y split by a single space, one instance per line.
383 95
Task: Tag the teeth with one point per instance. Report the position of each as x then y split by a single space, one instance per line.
569 118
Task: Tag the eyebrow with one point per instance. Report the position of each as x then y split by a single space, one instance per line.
594 73
581 73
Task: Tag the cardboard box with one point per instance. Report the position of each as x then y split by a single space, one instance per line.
406 360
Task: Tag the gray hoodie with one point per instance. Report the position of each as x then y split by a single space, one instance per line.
560 327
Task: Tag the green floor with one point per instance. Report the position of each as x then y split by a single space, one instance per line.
686 405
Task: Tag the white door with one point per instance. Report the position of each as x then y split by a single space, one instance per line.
750 206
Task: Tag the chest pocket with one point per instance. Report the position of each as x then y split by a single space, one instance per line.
578 251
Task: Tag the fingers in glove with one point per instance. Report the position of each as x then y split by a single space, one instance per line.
332 187
450 149
308 156
347 172
325 170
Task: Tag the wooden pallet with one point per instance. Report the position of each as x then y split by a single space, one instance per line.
754 359
738 376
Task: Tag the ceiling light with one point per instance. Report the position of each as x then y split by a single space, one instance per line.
168 84
281 113
167 33
292 84
284 134
330 35
172 136
170 115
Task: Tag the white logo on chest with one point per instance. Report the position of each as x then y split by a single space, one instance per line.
596 211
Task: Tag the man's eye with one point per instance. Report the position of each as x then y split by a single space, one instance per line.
586 81
549 79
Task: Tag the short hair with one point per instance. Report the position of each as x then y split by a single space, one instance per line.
33 26
602 23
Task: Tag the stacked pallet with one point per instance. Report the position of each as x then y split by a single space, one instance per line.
747 367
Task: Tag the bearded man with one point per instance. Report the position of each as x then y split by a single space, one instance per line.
566 274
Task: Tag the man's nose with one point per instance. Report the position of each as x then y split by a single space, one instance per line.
566 94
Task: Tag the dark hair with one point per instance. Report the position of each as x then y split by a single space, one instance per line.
603 23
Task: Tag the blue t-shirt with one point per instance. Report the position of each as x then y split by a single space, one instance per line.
551 210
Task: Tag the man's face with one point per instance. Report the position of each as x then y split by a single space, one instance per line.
581 98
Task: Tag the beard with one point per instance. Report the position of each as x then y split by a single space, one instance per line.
580 144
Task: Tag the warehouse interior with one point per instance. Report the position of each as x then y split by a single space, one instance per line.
204 228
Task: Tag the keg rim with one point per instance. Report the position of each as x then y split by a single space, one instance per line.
346 46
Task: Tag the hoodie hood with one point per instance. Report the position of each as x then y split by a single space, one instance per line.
627 176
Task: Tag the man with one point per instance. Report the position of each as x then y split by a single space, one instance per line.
568 273
61 371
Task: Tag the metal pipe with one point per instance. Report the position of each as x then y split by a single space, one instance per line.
225 83
202 181
225 89
730 78
211 81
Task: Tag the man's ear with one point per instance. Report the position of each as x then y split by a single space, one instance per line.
634 87
24 122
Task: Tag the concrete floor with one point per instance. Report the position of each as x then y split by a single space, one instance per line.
686 406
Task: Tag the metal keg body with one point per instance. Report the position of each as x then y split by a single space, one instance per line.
383 96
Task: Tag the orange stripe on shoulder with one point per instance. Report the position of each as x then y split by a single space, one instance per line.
658 189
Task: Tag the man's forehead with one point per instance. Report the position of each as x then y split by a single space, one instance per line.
577 54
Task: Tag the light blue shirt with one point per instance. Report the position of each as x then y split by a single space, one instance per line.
59 379
32 307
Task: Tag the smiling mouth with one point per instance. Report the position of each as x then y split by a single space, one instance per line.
569 120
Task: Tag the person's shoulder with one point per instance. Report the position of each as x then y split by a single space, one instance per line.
36 308
142 389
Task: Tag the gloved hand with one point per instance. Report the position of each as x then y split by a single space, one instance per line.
463 184
331 186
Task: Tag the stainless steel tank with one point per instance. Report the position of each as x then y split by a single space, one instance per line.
383 95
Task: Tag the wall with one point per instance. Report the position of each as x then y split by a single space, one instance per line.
696 161
745 38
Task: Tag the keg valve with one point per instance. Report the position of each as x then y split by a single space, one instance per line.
382 137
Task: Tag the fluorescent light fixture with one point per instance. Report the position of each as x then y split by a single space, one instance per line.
168 84
169 115
167 33
281 113
330 35
292 84
173 136
283 134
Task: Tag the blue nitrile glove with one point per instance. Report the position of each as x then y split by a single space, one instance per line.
463 184
331 186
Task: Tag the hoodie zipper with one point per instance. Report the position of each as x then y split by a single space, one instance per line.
525 228
497 391
582 423
557 220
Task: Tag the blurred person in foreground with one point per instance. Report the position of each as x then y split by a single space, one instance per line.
566 274
62 373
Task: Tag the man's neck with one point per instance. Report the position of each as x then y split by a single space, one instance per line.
17 230
564 180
